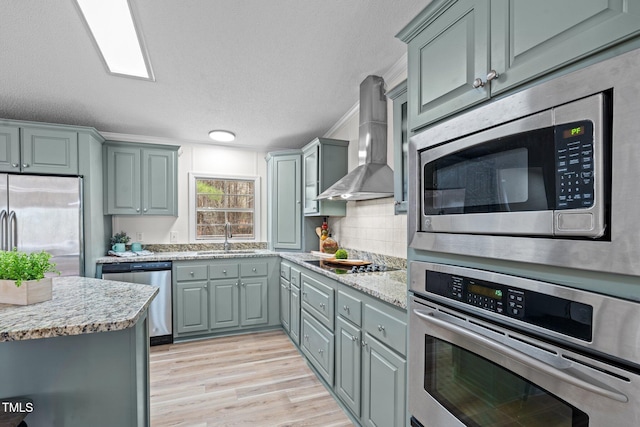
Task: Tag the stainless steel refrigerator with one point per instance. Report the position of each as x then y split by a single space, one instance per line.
43 213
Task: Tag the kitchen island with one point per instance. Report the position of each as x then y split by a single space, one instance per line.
82 357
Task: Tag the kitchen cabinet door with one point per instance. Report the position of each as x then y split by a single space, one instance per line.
294 313
253 301
284 204
123 188
400 148
224 302
445 58
9 148
383 385
523 49
50 151
192 307
285 305
348 364
159 183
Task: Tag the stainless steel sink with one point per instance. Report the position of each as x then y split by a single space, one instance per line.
231 252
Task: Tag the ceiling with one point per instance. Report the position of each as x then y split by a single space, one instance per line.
276 72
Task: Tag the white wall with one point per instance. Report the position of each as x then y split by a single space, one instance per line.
370 225
224 161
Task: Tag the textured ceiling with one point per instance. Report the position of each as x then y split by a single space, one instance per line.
276 72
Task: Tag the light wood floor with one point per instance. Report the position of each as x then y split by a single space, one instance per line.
245 380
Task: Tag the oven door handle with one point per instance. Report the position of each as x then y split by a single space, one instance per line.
523 358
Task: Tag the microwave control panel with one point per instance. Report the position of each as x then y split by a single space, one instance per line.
551 312
574 165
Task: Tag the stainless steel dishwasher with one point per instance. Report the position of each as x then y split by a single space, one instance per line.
149 273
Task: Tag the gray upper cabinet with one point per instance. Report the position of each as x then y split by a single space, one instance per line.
400 147
325 161
140 179
26 149
284 205
462 52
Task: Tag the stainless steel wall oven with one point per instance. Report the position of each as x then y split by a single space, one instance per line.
488 349
548 175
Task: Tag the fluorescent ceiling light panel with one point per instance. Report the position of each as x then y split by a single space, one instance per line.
113 28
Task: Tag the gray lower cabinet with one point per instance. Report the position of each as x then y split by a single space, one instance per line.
348 365
461 52
317 344
356 344
192 307
38 149
290 300
224 296
140 179
383 385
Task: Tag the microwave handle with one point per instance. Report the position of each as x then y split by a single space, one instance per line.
525 359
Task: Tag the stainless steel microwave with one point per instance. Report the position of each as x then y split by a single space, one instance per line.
544 174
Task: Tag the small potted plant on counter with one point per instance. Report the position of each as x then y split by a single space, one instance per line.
22 278
118 241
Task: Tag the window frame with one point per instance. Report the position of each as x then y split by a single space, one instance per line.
193 176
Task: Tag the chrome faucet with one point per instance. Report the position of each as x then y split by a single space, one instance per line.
227 236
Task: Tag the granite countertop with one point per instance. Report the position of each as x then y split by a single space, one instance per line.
189 255
79 305
390 286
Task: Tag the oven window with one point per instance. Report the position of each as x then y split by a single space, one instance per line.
482 394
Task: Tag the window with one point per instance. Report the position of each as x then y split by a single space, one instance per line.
217 200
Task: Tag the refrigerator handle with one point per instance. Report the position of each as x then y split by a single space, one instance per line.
3 230
13 231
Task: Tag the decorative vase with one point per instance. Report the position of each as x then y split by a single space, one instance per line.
29 292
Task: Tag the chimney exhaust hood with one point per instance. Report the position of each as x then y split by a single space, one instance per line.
373 178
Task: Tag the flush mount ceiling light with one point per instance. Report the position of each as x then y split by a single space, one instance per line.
222 135
113 28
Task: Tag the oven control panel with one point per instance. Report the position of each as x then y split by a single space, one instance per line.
555 313
493 297
574 165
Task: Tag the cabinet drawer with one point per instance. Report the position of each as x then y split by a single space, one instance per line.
295 277
350 308
318 344
223 271
253 269
318 300
387 329
191 272
285 270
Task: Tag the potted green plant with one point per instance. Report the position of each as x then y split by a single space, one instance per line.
118 241
22 278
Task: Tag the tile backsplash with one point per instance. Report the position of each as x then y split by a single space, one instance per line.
371 226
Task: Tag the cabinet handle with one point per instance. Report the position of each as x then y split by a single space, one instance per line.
304 294
478 83
191 273
354 339
242 284
322 306
144 210
306 337
346 308
137 209
492 74
320 351
205 287
237 283
15 165
25 165
224 271
254 269
381 328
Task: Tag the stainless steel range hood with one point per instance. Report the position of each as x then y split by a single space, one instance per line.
373 178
